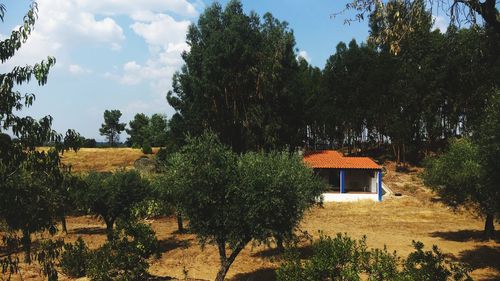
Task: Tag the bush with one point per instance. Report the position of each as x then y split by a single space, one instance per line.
162 154
343 258
125 257
74 258
147 149
89 143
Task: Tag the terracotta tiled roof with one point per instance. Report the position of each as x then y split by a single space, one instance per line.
335 160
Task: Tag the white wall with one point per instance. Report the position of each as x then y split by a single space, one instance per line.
348 197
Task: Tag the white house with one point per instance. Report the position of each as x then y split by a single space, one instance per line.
348 178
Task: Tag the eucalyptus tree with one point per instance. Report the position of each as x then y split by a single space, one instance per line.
238 80
471 12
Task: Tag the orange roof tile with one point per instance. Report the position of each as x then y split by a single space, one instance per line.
331 159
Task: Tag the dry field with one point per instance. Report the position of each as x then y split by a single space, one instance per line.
101 159
395 222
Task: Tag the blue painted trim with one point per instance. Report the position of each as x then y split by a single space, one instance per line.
342 181
379 185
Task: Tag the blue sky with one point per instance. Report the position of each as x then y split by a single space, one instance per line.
121 54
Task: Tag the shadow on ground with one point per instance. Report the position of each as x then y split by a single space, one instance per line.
482 257
263 274
173 243
88 230
464 235
305 252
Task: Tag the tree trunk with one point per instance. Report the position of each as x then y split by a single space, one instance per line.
26 241
63 224
489 226
279 244
109 229
225 262
180 225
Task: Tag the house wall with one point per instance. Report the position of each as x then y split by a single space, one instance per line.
360 181
349 197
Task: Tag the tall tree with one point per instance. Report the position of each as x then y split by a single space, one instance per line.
242 86
139 130
111 128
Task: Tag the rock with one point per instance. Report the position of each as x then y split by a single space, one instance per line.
145 164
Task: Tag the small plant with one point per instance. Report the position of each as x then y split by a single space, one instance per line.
74 258
147 149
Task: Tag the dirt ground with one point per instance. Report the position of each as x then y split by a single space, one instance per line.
395 222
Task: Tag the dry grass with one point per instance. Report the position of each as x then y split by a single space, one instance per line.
102 159
395 222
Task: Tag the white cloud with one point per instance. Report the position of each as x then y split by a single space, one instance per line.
63 25
165 37
113 7
440 23
78 69
303 54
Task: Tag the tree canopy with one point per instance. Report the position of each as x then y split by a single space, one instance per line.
231 200
238 80
111 128
399 25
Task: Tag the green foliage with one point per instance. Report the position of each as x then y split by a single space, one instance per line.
125 257
111 196
47 257
162 155
89 143
344 258
455 175
464 175
238 80
231 200
277 186
148 131
111 128
147 149
74 259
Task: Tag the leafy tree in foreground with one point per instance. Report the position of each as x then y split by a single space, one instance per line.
473 12
30 180
460 178
230 202
112 196
111 128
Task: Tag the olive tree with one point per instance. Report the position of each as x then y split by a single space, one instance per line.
112 196
459 177
231 200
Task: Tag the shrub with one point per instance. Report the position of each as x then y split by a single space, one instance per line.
147 149
343 258
125 257
162 154
74 258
